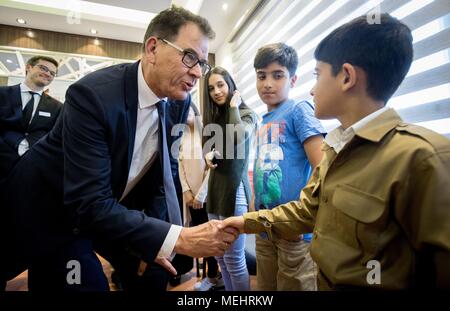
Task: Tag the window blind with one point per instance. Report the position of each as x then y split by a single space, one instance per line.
423 97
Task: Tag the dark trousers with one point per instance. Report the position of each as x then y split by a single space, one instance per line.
200 216
62 270
8 159
126 264
9 268
11 264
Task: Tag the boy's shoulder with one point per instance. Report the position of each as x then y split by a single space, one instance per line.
299 105
296 108
302 108
424 137
302 103
419 143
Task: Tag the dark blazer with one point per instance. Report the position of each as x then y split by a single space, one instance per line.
12 132
69 184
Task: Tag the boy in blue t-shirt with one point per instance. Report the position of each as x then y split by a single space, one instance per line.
288 143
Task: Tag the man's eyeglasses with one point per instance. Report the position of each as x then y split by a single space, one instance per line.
46 70
189 58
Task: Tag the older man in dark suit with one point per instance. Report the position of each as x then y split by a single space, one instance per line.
104 176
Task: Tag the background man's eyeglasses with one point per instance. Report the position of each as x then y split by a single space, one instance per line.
46 70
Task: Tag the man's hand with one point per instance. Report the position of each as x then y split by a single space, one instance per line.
188 198
206 240
163 262
236 222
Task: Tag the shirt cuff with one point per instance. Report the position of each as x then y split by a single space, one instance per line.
253 223
168 245
256 222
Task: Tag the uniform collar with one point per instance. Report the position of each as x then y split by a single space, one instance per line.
378 127
372 127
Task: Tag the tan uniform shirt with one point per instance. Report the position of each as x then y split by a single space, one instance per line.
384 197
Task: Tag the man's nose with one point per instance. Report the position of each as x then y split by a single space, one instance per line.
196 71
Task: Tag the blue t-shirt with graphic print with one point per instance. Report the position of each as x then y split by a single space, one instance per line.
281 167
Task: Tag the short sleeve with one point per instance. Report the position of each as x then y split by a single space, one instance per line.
306 124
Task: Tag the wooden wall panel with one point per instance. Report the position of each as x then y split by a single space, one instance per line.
3 81
68 43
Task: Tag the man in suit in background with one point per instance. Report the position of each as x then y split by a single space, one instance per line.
103 176
26 112
26 115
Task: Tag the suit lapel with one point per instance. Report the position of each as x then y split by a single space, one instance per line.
131 104
16 101
160 135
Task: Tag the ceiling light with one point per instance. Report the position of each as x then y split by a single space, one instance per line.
94 31
225 6
21 21
30 34
9 61
193 5
101 12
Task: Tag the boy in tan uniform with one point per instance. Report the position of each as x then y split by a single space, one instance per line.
379 201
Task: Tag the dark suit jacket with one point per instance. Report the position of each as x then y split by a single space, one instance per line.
12 132
76 175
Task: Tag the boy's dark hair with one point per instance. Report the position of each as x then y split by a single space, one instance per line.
277 52
168 22
384 51
34 60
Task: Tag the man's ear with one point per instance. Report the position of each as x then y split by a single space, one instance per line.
150 48
348 76
27 68
292 81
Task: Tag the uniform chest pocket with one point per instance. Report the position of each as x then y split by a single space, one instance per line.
359 205
364 214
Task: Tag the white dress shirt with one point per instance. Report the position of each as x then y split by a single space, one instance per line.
146 149
26 96
338 138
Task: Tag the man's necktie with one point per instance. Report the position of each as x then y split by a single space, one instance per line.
173 207
27 112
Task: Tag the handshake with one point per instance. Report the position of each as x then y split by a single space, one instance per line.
209 239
